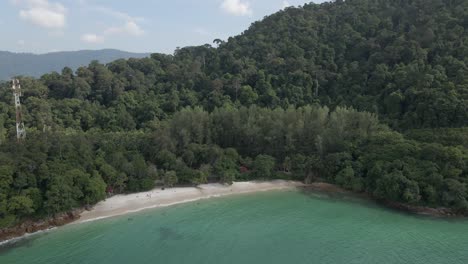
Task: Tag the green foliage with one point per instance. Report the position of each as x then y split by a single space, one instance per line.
347 179
20 205
200 177
226 169
313 98
6 178
95 189
170 178
263 166
444 136
7 221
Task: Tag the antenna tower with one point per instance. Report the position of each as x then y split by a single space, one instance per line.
20 130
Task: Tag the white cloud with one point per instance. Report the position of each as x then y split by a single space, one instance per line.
42 13
117 14
129 28
129 24
21 42
286 4
236 7
92 38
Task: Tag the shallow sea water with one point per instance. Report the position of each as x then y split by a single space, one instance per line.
268 227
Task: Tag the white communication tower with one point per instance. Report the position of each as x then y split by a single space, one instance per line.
20 129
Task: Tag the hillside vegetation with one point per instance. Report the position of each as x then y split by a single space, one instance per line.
370 95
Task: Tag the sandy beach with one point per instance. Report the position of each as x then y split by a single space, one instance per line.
124 204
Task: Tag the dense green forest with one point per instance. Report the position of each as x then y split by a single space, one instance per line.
369 94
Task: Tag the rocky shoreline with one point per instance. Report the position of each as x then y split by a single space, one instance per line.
29 227
422 210
414 209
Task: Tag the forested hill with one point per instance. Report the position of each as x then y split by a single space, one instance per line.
406 60
28 64
370 95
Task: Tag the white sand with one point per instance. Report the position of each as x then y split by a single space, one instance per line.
124 204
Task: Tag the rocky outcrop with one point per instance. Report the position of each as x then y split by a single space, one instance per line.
415 209
422 210
35 226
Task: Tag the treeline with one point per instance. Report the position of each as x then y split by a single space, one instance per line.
56 171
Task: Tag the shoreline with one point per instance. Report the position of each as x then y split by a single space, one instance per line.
30 227
132 203
440 212
156 198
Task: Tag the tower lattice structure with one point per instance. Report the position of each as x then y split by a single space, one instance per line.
20 129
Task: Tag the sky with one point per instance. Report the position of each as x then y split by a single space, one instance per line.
41 26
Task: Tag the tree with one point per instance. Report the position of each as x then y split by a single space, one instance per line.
20 206
170 178
226 169
455 194
201 177
263 166
247 95
6 178
95 189
59 198
347 179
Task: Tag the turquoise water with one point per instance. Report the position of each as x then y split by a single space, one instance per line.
272 227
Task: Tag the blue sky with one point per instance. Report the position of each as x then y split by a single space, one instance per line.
41 26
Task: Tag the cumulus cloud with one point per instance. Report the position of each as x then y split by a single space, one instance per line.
42 13
129 28
129 25
117 14
286 4
92 38
236 7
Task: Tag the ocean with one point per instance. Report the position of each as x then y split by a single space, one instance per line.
267 227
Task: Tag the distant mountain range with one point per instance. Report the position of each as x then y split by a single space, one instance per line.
28 64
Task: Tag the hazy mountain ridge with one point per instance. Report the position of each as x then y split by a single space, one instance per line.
29 64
